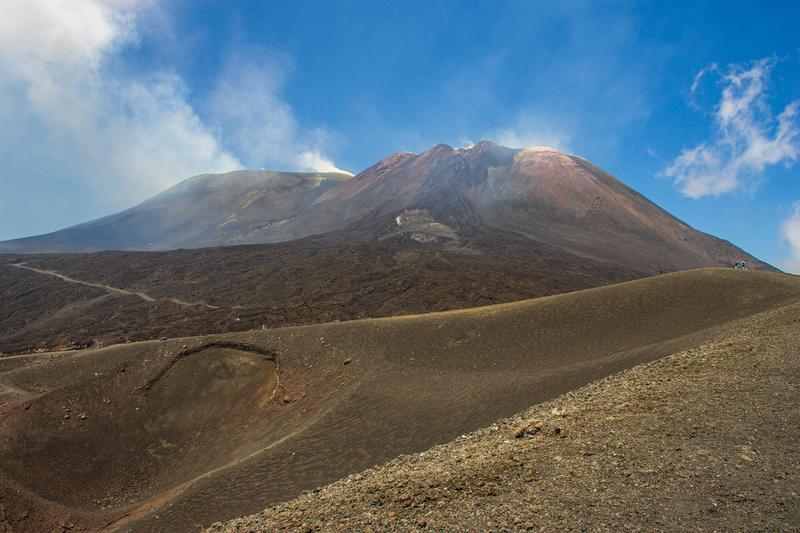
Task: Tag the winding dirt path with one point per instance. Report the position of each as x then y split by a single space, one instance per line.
116 290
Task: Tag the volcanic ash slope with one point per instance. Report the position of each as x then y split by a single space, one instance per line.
704 439
179 434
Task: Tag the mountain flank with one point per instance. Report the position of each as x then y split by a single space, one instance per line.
67 301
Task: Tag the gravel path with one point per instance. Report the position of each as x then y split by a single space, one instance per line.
702 440
114 290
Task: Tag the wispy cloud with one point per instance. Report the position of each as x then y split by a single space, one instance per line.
745 139
253 118
314 160
529 130
532 137
128 135
790 230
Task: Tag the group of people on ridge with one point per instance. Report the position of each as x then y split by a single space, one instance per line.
740 265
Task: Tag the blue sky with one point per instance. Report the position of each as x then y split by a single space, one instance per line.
691 103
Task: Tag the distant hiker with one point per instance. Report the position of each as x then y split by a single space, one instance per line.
738 265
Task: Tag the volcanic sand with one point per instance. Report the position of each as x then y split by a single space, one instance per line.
701 440
176 434
61 301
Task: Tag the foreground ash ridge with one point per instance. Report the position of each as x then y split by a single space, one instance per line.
704 439
169 435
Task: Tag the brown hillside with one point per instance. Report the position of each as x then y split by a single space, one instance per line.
701 440
206 428
249 287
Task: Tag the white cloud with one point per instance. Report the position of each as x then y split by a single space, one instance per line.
312 160
464 142
790 229
253 117
526 135
528 131
528 139
67 98
698 79
746 138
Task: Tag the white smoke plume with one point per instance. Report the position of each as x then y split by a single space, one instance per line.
69 105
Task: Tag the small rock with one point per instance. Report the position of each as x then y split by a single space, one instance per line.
527 430
66 416
348 361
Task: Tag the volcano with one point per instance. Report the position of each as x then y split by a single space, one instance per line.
445 196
